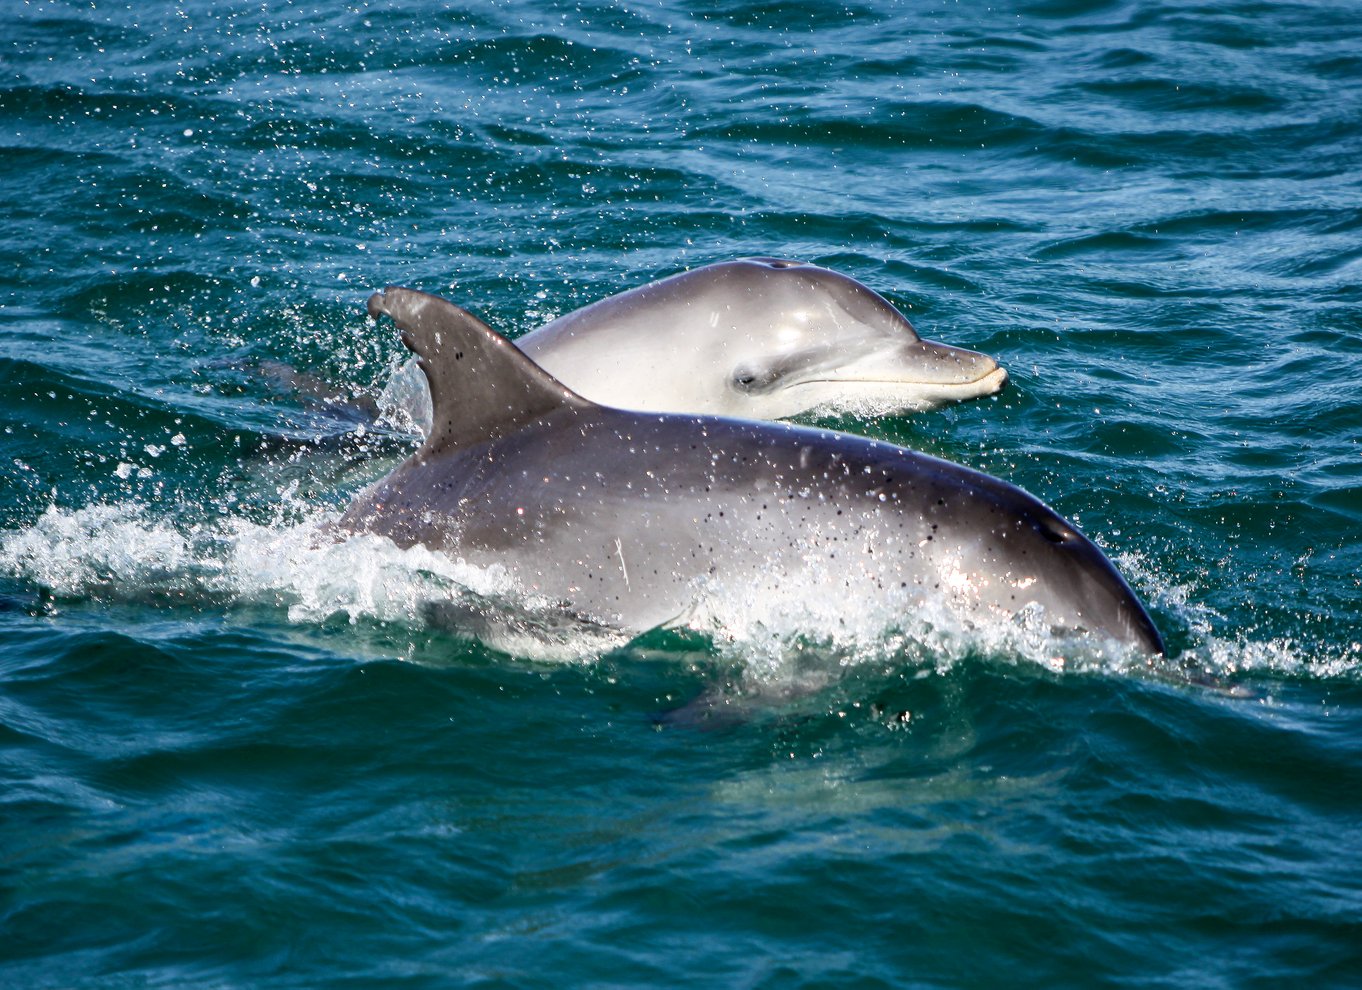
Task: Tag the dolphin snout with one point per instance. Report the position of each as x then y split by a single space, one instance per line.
945 364
923 363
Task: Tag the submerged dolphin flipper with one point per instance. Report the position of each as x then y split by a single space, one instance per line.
629 521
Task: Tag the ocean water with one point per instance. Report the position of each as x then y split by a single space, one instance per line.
233 755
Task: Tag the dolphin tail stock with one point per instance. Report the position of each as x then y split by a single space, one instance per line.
481 386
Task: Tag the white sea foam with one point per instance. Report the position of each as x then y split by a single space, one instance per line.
797 635
1218 648
124 550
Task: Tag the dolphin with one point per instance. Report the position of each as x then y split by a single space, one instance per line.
626 520
756 338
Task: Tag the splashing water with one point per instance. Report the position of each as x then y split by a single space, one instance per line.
125 551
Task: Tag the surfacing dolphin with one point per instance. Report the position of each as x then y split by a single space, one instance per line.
625 520
757 338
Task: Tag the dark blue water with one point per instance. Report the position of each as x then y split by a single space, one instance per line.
232 755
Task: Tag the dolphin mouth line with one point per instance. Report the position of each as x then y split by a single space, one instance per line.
996 378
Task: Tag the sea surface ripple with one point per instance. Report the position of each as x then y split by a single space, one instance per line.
234 755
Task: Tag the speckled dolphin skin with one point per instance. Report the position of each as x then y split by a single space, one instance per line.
627 519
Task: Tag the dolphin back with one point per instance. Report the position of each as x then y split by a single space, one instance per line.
629 520
481 386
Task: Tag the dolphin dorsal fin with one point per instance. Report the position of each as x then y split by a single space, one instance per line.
481 386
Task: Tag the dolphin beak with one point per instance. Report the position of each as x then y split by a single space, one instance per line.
940 370
927 362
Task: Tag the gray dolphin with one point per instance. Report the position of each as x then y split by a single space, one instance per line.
757 338
625 520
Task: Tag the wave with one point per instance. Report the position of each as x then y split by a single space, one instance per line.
298 564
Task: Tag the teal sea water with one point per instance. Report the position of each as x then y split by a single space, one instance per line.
233 757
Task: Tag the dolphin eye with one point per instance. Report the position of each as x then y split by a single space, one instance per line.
749 379
782 369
